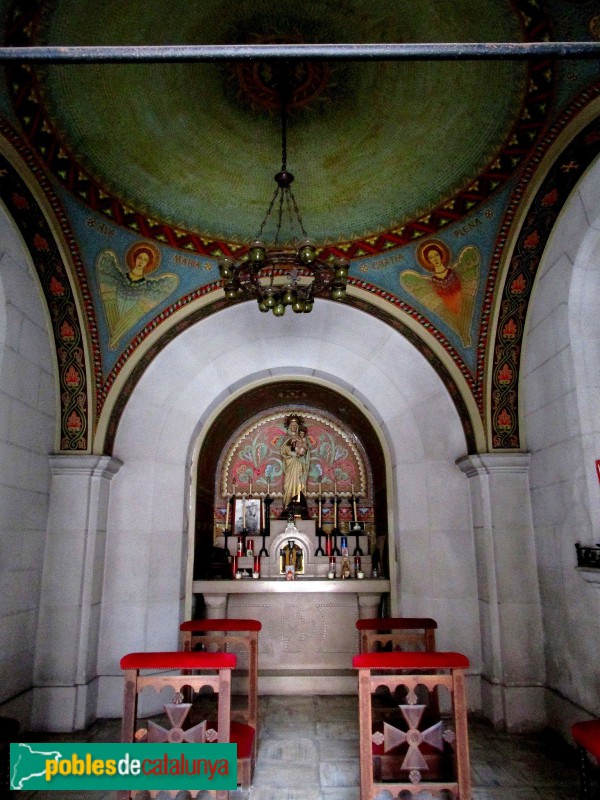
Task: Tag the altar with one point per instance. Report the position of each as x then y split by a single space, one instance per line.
308 632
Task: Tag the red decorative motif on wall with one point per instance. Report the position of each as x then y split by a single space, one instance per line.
253 460
525 261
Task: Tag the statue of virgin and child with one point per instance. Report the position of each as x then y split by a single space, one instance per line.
295 455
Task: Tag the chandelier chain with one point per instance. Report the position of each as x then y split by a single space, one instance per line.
279 277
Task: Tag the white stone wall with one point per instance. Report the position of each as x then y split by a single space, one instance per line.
27 413
147 535
560 398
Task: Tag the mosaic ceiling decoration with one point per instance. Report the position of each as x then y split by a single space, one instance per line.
186 153
406 168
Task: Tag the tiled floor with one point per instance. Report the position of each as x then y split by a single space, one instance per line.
308 750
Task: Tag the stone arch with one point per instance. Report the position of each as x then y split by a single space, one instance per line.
313 393
39 225
150 526
527 254
122 385
561 421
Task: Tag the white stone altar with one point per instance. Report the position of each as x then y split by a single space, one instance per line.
309 633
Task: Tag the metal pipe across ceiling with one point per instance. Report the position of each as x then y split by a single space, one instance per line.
54 54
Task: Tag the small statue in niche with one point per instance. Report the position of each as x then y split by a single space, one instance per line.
346 567
291 555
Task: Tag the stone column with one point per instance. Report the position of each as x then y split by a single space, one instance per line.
368 605
71 593
216 606
509 597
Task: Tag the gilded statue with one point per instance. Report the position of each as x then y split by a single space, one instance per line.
295 454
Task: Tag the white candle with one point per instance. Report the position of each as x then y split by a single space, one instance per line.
227 513
320 501
244 513
268 487
250 490
335 487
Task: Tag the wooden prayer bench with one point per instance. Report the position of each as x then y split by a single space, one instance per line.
223 634
396 633
407 752
197 670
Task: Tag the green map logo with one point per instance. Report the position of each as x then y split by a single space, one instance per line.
87 766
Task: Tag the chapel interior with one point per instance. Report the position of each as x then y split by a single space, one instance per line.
446 396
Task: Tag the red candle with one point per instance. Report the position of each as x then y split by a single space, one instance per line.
233 566
327 544
256 563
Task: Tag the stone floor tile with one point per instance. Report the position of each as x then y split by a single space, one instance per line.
559 793
283 775
337 730
341 793
342 749
339 773
275 729
285 793
293 750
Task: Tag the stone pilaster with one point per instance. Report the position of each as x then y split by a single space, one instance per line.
509 598
71 592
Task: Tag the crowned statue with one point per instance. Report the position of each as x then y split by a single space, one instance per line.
295 456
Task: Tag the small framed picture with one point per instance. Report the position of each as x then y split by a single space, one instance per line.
290 573
247 515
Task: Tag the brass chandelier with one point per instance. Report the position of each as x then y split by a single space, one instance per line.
278 277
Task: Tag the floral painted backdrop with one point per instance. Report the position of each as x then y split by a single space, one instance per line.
252 464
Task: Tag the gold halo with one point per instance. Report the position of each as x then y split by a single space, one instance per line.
433 244
149 248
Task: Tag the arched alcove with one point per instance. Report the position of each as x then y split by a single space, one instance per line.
281 397
213 365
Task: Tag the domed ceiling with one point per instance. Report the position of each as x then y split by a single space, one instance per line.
374 146
409 169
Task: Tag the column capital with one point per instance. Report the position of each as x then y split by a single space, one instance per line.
91 466
489 463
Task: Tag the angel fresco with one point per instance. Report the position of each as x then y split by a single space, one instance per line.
449 291
129 294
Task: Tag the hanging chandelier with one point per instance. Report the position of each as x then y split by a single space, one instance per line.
277 276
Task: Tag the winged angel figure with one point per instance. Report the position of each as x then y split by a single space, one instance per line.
449 291
129 294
